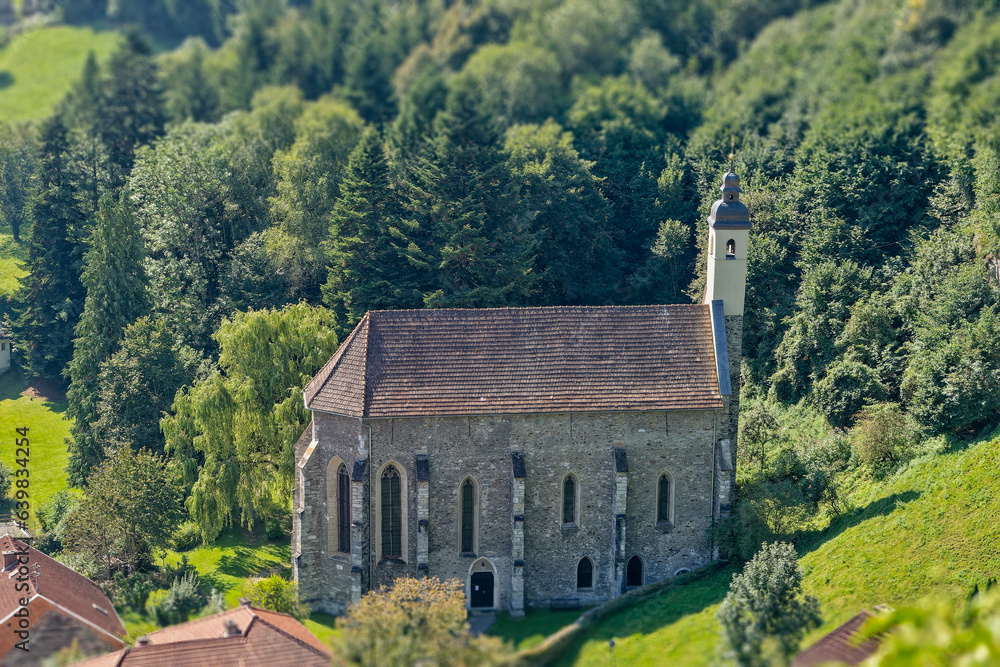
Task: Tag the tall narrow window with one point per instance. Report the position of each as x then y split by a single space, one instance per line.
730 248
468 516
392 529
569 500
585 574
343 510
663 500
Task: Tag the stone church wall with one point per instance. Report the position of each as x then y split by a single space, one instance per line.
325 577
680 443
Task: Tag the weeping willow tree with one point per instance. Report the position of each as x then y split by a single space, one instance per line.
241 422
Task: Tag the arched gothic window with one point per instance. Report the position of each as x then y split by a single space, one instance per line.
585 573
468 522
343 510
392 514
569 504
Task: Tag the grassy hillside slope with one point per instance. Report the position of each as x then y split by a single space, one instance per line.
929 533
39 66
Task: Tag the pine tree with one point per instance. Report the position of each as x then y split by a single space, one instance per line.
116 295
18 163
51 296
83 110
132 112
367 75
368 269
580 263
82 104
480 251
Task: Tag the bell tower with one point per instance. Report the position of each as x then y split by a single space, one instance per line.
728 237
728 241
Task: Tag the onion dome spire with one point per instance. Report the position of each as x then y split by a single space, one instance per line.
729 212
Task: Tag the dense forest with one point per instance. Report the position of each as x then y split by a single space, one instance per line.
205 220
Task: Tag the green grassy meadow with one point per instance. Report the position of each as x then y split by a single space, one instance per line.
40 406
927 534
40 65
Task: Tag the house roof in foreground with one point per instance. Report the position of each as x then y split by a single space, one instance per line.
522 360
52 586
264 638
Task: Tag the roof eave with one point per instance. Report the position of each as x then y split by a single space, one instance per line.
715 404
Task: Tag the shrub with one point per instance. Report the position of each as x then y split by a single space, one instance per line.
132 591
183 567
417 621
54 510
6 479
216 602
765 615
883 438
276 594
173 605
188 536
847 388
832 452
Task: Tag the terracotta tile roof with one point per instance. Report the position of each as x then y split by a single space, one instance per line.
266 638
840 646
213 626
521 360
51 583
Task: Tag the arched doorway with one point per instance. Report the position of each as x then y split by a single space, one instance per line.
633 572
482 585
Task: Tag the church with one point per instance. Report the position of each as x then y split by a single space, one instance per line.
553 456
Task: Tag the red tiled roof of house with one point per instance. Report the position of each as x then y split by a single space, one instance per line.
521 360
841 645
262 642
213 626
52 585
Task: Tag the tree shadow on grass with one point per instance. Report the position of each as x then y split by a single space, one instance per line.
212 580
6 79
812 540
244 562
14 384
